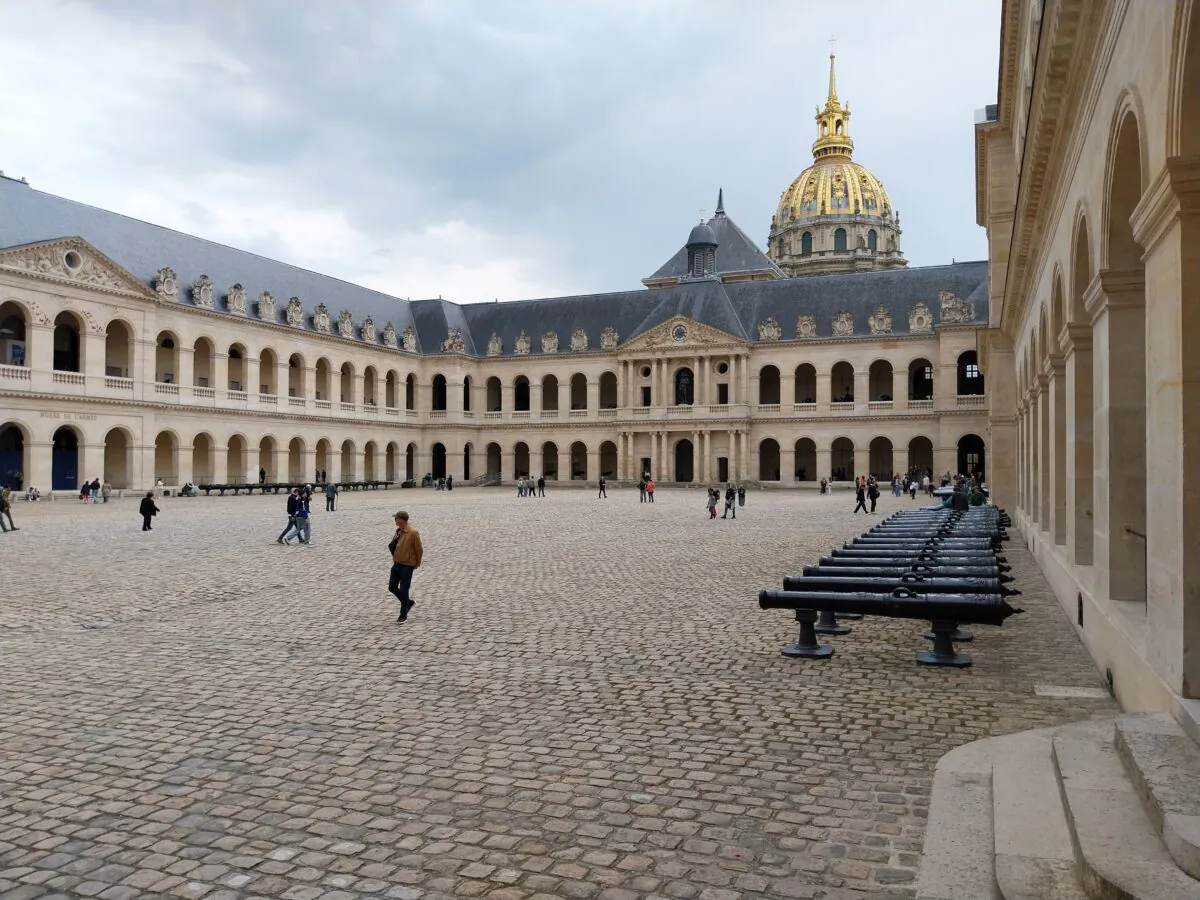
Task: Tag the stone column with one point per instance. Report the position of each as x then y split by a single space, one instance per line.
1057 431
1116 301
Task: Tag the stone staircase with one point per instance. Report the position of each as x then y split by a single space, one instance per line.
1107 809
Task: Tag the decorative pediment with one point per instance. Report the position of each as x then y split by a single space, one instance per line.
74 261
680 331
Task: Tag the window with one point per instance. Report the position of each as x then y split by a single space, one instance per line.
839 240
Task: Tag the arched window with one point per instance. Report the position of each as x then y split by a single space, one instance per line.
806 244
872 240
839 240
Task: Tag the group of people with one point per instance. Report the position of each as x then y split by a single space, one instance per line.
734 497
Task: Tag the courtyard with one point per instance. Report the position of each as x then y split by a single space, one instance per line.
586 703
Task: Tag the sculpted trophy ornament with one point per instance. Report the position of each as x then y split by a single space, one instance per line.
236 300
164 283
454 341
609 338
920 319
769 330
320 316
843 324
389 335
408 339
523 344
954 309
266 306
880 321
495 345
806 326
368 330
202 292
550 342
345 324
579 340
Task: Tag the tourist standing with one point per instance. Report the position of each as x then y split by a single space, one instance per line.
148 510
292 501
860 494
330 497
603 493
406 559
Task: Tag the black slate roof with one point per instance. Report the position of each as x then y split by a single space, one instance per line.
737 308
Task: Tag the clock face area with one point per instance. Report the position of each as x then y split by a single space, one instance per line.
679 334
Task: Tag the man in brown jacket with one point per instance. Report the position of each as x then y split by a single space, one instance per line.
406 559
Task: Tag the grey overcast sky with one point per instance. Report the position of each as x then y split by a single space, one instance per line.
489 149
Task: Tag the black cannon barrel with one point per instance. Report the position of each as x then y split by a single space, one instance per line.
889 571
910 560
885 585
980 609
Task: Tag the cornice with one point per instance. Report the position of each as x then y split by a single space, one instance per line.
1174 193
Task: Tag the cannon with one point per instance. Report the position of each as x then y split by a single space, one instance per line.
943 611
887 571
918 584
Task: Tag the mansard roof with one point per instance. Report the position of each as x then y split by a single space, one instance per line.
748 311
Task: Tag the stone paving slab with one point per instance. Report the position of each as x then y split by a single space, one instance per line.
587 703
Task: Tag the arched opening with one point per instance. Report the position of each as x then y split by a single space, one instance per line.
880 462
466 469
608 459
494 395
550 461
920 380
117 457
579 391
349 467
295 375
68 345
579 461
370 383
521 394
324 451
13 461
685 461
324 386
237 368
1080 423
369 452
768 385
346 384
685 383
235 460
466 399
880 380
971 456
410 462
768 460
166 459
166 358
920 456
872 240
438 394
608 390
202 363
391 391
203 457
267 364
839 240
970 378
841 459
521 460
438 461
806 383
296 471
410 391
14 334
841 383
266 460
118 349
550 393
393 462
806 460
806 244
493 460
64 460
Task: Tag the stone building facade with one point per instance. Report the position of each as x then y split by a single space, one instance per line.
1089 187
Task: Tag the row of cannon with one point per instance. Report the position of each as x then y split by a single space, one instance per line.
943 566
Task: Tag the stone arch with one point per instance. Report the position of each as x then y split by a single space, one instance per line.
166 458
550 393
768 460
579 461
295 461
879 380
768 385
841 382
64 458
68 343
203 457
166 357
806 459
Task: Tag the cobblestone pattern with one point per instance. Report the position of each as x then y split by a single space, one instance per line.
587 703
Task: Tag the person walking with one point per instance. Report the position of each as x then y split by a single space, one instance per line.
603 493
6 511
541 484
148 510
860 494
872 492
406 559
331 491
730 501
649 490
293 501
105 490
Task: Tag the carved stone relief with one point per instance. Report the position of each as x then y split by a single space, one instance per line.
368 330
579 340
523 344
202 292
550 342
609 338
880 321
769 330
266 306
345 324
389 335
164 283
806 326
320 317
408 338
920 319
954 309
236 300
495 345
843 324
454 341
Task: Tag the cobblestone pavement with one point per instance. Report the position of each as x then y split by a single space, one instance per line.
587 703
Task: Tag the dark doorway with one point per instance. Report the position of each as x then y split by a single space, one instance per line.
439 461
684 461
64 465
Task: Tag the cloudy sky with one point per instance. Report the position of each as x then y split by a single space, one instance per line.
490 149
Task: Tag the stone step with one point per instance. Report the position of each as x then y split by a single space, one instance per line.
1033 852
1163 762
1119 854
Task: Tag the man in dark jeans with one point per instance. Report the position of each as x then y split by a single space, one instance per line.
406 559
